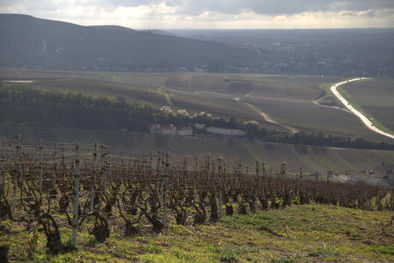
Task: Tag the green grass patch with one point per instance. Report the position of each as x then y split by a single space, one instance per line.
309 233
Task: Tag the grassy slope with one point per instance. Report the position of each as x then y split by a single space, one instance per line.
311 233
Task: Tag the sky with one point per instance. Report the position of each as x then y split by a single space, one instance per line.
211 14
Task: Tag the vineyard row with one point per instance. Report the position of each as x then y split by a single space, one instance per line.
85 186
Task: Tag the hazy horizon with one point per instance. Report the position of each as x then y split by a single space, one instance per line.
202 15
203 29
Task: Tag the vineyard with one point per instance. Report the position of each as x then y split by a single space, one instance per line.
99 189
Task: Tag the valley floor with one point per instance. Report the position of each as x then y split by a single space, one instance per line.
308 233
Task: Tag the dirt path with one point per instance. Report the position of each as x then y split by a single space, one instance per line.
268 119
316 102
166 96
361 116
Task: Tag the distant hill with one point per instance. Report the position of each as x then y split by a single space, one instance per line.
38 43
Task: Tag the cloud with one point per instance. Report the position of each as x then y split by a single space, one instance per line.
212 14
278 7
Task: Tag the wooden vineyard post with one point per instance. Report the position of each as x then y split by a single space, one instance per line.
121 154
16 175
283 169
195 172
165 189
257 169
220 187
161 178
239 173
102 175
93 178
77 177
151 168
158 173
184 172
145 165
63 162
104 163
53 186
2 168
177 172
207 169
40 164
108 169
158 161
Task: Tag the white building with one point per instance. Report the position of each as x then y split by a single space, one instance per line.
225 132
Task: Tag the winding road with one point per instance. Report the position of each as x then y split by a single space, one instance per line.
361 116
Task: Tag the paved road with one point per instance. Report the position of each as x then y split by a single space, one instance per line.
361 116
18 81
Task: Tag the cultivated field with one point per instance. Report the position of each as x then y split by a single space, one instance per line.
376 99
283 102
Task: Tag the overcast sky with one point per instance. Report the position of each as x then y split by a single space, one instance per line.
211 14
